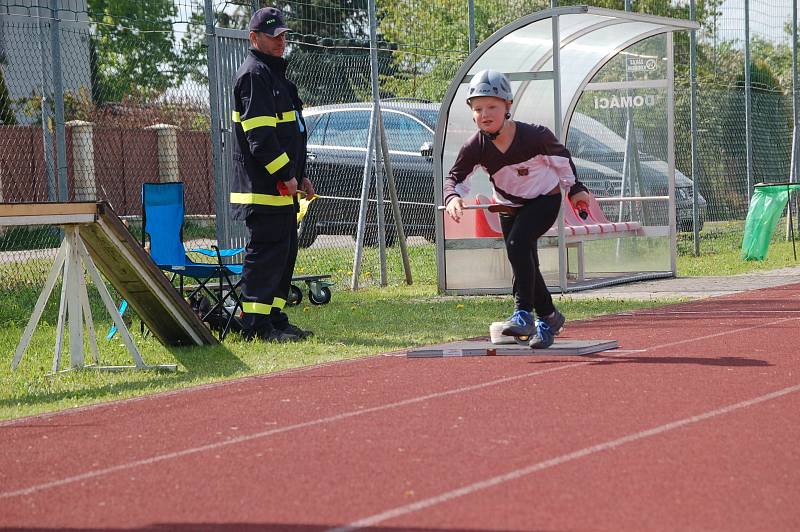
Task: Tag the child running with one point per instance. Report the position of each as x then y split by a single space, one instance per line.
527 168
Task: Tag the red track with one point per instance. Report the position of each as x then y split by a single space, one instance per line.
693 424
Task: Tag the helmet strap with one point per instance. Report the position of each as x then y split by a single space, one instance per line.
492 136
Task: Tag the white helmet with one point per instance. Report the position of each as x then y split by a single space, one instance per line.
490 83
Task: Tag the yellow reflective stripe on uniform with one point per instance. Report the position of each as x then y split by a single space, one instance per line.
251 307
259 121
256 121
279 162
261 199
288 116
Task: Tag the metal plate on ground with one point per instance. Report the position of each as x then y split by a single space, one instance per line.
479 348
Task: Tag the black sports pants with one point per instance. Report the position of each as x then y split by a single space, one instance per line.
521 230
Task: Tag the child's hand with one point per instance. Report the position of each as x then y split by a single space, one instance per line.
455 208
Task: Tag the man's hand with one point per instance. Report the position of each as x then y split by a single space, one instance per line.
455 208
289 188
307 187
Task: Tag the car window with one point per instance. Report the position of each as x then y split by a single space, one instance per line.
316 128
347 128
403 133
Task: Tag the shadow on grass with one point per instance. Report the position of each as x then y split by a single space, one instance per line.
201 364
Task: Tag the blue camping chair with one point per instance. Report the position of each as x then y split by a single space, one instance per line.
162 220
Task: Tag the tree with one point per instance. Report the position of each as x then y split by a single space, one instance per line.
133 54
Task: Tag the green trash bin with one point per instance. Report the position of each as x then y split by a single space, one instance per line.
766 207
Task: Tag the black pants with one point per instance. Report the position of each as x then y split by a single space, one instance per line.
268 267
521 230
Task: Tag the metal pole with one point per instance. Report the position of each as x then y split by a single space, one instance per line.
793 178
220 202
398 218
693 130
368 163
47 136
379 205
377 119
58 98
672 213
562 247
748 119
471 10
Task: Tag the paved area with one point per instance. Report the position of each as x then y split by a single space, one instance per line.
692 287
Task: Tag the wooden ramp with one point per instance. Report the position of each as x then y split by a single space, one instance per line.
124 263
480 348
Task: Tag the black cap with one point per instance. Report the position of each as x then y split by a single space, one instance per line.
268 20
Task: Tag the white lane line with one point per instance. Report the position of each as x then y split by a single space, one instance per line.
558 460
241 439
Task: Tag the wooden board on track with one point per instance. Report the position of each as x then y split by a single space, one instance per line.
478 348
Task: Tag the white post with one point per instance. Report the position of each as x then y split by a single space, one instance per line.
167 152
84 188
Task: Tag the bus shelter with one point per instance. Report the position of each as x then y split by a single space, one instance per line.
602 80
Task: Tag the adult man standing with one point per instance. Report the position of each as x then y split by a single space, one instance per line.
269 155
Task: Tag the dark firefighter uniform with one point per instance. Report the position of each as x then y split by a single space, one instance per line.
269 146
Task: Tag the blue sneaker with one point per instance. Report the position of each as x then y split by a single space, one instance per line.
519 324
543 338
555 322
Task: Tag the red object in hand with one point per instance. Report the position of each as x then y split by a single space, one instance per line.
583 209
282 189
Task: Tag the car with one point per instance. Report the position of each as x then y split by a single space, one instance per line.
337 140
591 140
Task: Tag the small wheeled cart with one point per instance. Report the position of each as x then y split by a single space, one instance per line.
319 291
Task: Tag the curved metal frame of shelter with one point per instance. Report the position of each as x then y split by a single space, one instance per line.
588 38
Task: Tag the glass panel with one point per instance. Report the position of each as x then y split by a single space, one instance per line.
583 55
533 103
520 50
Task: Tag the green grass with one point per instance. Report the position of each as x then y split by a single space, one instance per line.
720 252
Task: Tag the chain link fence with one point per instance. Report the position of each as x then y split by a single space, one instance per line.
93 103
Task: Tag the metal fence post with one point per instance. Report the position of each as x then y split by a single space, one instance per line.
471 15
58 99
47 133
793 177
748 109
693 130
220 202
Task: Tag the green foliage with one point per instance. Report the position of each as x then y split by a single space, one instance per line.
771 119
134 55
